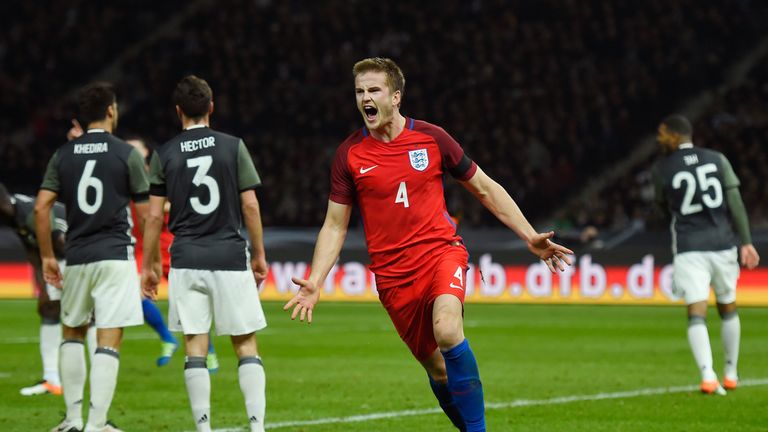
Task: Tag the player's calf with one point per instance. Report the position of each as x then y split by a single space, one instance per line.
465 386
198 382
730 332
106 363
50 339
252 380
49 310
438 382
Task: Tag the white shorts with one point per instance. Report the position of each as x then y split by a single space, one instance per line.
231 298
695 272
107 289
54 294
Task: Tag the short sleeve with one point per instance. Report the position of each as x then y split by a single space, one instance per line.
137 177
729 176
156 176
455 161
247 177
51 178
342 184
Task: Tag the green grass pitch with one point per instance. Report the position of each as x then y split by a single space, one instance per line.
351 362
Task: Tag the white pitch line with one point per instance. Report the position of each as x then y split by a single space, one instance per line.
498 405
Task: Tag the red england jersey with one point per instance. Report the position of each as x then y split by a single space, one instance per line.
398 187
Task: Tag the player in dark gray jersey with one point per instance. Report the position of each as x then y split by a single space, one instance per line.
209 179
17 212
96 176
700 190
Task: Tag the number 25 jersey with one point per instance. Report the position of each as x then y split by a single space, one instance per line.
692 183
398 187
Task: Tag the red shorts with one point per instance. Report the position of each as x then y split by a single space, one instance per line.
409 304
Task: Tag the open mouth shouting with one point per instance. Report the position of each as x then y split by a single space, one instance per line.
371 112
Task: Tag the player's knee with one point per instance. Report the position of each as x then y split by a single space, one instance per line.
49 320
727 310
245 345
696 320
697 309
244 351
74 333
448 332
49 311
110 337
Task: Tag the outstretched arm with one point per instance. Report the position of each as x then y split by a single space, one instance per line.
496 199
43 205
327 249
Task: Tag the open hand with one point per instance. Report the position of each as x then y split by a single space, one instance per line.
304 300
554 255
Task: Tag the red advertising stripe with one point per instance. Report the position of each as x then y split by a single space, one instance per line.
586 282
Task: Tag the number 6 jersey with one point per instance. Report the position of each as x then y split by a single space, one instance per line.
692 183
202 173
398 187
96 176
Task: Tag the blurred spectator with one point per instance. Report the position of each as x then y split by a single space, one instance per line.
543 95
736 124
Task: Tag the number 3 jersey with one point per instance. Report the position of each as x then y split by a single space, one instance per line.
202 173
95 176
691 183
398 187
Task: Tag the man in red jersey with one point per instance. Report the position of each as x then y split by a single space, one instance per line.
392 169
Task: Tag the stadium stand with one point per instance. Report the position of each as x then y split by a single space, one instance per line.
736 124
541 94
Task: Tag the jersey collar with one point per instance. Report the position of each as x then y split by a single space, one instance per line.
685 145
95 130
196 126
409 122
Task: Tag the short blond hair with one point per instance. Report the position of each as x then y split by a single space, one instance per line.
395 78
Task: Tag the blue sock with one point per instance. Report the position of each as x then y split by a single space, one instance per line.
154 318
447 403
465 386
210 345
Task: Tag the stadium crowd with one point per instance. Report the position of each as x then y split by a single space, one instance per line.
735 123
542 95
47 51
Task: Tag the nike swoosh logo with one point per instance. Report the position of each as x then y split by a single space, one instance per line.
455 286
365 170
